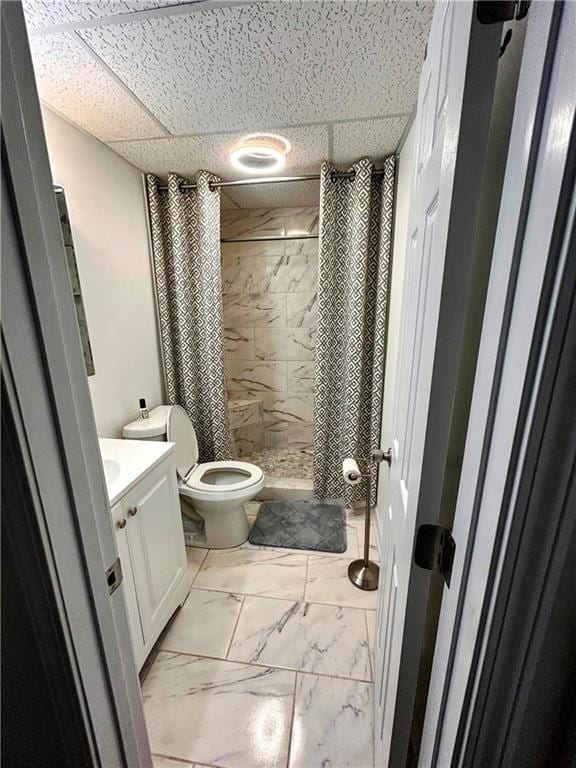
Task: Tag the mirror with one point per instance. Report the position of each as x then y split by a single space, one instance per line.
74 278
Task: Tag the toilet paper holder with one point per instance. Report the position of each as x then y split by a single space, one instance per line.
364 573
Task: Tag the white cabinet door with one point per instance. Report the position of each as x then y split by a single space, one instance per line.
156 543
128 586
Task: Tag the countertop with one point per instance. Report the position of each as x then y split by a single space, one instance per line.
128 461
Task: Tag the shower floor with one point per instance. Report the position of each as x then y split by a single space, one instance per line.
283 462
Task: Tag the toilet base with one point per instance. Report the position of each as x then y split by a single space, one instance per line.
225 523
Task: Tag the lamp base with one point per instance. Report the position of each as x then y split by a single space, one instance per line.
364 576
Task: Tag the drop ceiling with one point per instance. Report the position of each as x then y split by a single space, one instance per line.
171 86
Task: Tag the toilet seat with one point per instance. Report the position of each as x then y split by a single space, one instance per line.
215 480
217 476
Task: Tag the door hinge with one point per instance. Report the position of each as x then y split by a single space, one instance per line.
494 11
114 576
434 550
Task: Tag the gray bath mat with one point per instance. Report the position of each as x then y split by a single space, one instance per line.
300 525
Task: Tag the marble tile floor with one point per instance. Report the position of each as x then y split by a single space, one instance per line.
267 664
306 637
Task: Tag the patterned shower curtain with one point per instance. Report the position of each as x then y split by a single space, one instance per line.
185 226
354 259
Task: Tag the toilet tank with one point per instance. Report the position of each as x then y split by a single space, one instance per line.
152 428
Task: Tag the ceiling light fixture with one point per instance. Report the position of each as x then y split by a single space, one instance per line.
260 153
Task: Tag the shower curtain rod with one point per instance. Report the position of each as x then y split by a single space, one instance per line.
260 238
271 180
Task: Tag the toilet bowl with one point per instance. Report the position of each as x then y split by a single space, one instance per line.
215 491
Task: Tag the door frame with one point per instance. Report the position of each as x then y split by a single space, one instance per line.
521 307
530 613
48 396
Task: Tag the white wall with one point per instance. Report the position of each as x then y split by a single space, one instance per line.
405 170
106 203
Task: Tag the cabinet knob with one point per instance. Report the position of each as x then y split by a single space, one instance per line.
121 523
133 511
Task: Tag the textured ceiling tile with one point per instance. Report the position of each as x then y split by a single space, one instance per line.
372 138
189 154
270 63
302 193
47 13
73 83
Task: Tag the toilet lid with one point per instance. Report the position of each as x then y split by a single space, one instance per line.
179 430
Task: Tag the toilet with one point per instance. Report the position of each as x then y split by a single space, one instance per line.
215 491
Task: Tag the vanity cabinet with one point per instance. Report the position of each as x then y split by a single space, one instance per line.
152 553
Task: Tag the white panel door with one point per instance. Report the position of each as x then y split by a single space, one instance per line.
453 115
541 149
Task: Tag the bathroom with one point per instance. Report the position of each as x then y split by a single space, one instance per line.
114 160
237 187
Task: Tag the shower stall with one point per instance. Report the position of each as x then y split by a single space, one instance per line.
270 369
269 286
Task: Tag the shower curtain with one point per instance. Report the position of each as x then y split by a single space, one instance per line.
354 259
185 225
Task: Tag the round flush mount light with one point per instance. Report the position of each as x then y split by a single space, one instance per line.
260 153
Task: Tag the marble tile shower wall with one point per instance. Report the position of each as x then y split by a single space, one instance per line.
270 300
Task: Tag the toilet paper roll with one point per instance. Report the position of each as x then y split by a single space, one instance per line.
351 472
